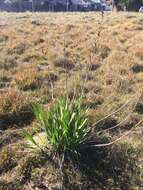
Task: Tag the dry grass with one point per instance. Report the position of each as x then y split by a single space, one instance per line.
67 53
13 101
26 78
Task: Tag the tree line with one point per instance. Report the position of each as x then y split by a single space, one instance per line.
131 5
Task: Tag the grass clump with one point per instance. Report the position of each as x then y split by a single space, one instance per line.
26 79
104 51
8 62
13 101
64 62
65 125
3 79
3 38
15 109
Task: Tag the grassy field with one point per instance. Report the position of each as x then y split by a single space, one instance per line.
46 55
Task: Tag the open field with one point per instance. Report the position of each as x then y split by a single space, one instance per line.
46 55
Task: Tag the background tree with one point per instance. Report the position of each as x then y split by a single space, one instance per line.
132 5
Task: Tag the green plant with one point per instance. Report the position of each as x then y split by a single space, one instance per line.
65 125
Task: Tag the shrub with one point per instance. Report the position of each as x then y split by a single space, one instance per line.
139 107
20 48
94 66
137 68
3 38
132 5
104 51
8 62
64 62
65 126
48 76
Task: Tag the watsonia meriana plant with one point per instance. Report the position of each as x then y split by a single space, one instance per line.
65 125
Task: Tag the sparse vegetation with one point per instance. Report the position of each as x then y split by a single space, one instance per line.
57 55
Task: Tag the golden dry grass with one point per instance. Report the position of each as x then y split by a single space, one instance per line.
44 55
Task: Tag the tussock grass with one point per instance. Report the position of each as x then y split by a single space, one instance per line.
26 79
15 108
65 126
12 101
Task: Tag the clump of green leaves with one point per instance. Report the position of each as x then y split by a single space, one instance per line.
65 125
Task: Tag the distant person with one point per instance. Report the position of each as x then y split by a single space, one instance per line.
125 8
141 9
102 12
